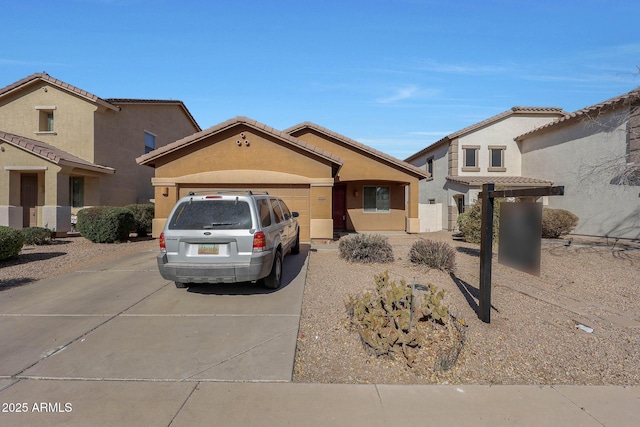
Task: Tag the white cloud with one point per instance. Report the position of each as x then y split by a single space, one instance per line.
399 95
407 92
440 67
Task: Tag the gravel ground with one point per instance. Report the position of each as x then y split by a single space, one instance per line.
532 337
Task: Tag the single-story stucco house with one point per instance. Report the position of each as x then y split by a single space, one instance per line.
334 182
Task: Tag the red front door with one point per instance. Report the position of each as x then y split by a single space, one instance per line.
340 207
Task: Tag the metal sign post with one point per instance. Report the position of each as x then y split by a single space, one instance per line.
486 236
486 253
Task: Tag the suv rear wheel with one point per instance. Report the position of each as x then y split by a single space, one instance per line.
181 285
274 279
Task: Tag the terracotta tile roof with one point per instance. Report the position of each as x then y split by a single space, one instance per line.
491 120
510 181
629 98
44 77
149 158
51 153
117 101
359 146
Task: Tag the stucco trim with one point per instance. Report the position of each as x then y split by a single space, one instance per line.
241 177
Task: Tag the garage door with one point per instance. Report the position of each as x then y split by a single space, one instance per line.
295 196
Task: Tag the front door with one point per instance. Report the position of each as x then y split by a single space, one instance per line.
29 199
339 207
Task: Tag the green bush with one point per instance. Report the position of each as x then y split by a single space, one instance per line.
105 224
11 242
365 248
434 254
36 235
469 222
143 217
556 222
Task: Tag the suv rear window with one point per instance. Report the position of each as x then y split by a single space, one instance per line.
211 215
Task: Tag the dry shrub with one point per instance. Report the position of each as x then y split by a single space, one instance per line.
434 254
365 248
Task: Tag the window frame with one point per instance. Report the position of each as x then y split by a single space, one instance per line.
148 148
470 148
492 167
46 120
429 167
377 209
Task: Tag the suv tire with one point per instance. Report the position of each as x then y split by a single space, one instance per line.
295 249
181 285
274 279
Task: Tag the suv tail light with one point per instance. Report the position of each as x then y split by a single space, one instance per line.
163 245
259 242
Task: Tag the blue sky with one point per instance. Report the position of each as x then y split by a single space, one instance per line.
395 75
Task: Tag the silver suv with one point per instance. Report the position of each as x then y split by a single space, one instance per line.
228 237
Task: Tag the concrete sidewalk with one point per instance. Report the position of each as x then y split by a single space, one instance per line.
88 348
119 403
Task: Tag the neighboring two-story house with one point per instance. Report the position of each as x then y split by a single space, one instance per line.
62 148
595 154
461 162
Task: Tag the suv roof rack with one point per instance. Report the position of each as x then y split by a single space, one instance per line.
249 192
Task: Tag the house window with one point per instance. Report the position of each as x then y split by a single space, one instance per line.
496 158
77 191
376 199
149 142
429 167
45 119
470 158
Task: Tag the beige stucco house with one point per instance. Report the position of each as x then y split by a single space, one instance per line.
62 148
595 154
461 162
335 183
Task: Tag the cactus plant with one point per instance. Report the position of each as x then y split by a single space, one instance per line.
392 322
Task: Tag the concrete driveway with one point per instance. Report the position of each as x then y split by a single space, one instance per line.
120 331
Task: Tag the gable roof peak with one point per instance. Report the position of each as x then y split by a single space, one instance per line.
630 98
44 77
357 145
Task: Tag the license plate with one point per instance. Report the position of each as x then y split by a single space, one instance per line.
208 249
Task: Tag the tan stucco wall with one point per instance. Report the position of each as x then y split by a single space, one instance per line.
73 118
361 169
356 165
119 138
359 220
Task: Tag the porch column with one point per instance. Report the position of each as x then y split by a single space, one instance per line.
412 208
321 218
